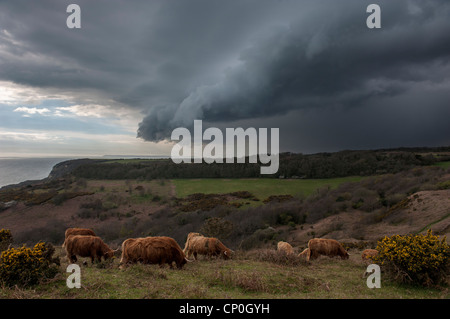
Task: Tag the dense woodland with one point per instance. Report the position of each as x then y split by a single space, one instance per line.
321 165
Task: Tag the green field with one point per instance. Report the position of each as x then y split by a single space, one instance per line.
444 164
261 187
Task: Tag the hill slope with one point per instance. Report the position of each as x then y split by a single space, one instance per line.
349 211
416 214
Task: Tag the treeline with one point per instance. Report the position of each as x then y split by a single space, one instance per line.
321 165
351 163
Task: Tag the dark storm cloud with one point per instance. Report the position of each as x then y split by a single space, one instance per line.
308 66
142 53
329 59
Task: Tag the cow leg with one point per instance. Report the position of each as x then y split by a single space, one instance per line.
73 259
189 254
195 255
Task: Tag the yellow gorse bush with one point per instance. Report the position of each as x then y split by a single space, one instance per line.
420 258
26 266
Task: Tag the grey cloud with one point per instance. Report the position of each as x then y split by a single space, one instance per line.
240 61
324 63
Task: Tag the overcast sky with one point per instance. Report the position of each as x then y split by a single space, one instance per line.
138 69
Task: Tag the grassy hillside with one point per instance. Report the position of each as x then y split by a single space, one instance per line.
255 274
353 210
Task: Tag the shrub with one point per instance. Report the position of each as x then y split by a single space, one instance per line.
217 227
444 185
5 239
286 219
96 205
87 213
28 266
421 259
59 199
278 198
49 232
156 198
243 194
258 238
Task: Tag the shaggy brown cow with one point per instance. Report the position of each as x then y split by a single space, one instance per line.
304 253
367 255
77 231
152 250
327 247
188 241
87 246
285 248
208 246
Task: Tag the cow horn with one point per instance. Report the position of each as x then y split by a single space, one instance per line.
187 260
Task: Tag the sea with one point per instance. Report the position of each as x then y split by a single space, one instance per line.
19 169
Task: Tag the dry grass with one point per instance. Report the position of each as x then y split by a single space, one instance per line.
254 274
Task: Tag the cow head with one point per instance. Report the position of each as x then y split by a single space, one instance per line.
226 254
113 253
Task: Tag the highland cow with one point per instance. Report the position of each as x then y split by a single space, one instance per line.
208 246
326 247
285 248
77 231
367 255
152 250
87 246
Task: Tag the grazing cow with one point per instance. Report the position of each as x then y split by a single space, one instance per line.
327 247
87 246
77 231
285 248
367 255
304 253
208 246
152 250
